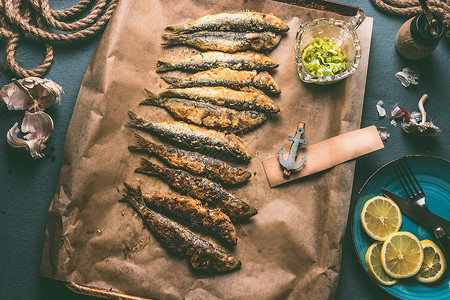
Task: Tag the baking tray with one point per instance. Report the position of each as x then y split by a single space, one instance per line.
329 6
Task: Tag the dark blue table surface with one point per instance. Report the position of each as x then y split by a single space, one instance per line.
27 186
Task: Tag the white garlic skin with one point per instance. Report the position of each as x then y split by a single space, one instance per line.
39 128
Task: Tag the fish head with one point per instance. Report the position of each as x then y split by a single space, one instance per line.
214 261
257 116
264 80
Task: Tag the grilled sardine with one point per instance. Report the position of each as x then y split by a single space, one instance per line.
202 255
190 210
249 98
224 41
208 115
193 162
226 77
195 137
200 188
214 59
244 21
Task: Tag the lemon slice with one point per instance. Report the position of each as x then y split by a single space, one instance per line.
373 264
380 217
434 264
401 255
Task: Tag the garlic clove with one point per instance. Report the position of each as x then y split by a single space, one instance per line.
39 127
31 93
416 117
383 132
43 90
13 137
399 112
14 97
408 76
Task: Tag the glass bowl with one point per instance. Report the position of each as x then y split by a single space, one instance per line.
343 35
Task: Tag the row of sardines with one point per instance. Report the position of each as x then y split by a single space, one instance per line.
226 93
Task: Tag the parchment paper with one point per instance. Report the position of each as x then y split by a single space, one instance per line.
290 249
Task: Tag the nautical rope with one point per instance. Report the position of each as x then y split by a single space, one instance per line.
409 8
21 18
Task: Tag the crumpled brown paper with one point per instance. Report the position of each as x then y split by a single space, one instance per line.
291 248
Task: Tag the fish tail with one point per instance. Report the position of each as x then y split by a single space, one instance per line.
152 99
163 66
147 167
176 27
133 196
173 39
142 145
170 79
136 121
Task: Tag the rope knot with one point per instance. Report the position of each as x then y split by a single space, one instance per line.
34 17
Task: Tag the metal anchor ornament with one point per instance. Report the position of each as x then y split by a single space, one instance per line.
290 163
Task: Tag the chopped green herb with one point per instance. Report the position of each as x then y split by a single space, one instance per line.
323 58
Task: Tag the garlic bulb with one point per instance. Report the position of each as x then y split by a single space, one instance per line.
423 128
31 93
38 126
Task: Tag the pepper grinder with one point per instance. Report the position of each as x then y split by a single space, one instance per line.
420 35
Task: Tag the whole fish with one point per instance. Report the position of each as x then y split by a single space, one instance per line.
248 98
208 115
190 210
225 77
215 59
200 188
202 255
243 21
193 162
224 41
195 137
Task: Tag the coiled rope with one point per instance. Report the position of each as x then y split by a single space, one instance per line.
409 8
34 17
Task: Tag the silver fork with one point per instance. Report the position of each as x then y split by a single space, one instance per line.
416 194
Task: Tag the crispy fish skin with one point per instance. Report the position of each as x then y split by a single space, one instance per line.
208 115
249 98
194 137
244 21
215 59
200 188
193 162
224 41
202 255
191 210
227 78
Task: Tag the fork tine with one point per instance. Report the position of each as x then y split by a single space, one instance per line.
403 181
419 188
406 175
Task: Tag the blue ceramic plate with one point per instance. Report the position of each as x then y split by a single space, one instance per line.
433 174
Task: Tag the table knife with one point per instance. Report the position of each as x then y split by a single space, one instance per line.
430 221
415 213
